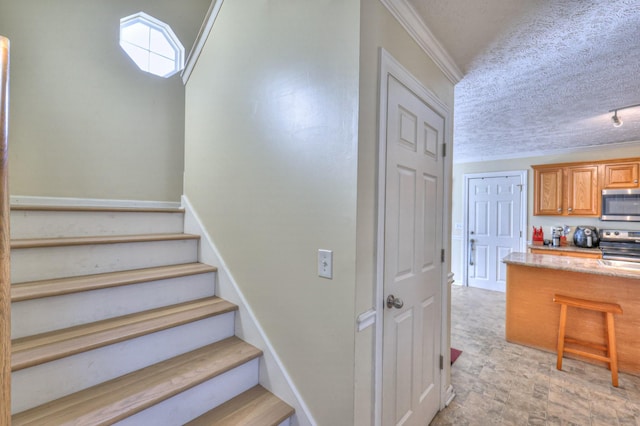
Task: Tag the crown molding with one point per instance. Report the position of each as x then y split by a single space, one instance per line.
406 15
543 153
400 9
198 44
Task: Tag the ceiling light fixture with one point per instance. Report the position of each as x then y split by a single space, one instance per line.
617 122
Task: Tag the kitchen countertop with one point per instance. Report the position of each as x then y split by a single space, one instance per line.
569 247
572 264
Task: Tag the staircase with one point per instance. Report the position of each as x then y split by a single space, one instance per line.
114 321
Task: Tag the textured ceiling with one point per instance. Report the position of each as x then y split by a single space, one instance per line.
539 75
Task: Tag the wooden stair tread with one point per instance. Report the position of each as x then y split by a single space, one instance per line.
105 209
124 396
255 407
33 350
56 287
106 239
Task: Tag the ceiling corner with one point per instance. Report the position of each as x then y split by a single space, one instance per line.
418 30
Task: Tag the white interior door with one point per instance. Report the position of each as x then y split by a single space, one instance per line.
494 228
412 259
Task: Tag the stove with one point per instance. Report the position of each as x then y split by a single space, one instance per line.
620 245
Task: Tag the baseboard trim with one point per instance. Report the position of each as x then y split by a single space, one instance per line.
273 374
450 394
28 200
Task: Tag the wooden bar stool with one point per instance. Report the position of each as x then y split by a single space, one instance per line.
610 349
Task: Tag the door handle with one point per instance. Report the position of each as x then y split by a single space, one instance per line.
472 247
394 302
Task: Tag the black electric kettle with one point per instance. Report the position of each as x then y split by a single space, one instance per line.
586 236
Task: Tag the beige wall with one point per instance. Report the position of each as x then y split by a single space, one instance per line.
378 29
84 121
460 169
270 168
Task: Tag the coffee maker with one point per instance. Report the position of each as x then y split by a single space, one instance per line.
557 233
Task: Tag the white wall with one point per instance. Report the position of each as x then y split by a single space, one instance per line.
84 121
270 168
459 170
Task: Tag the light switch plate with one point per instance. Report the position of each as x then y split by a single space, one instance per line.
325 263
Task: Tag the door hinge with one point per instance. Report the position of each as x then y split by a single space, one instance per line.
520 234
442 255
441 362
444 149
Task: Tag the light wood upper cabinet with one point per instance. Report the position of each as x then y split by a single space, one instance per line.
574 189
566 191
620 175
582 194
547 198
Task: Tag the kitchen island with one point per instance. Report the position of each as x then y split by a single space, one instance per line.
532 317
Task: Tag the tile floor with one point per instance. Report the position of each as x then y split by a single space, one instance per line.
502 383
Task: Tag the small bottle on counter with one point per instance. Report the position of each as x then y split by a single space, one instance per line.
555 237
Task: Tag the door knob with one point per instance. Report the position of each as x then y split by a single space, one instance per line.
472 247
394 302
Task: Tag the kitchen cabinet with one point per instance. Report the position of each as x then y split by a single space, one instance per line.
595 254
620 175
574 189
547 198
566 190
582 194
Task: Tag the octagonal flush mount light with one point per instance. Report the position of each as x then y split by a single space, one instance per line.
151 44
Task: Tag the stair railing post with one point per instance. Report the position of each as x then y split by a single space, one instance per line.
5 270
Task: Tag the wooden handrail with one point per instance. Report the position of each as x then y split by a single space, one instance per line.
5 270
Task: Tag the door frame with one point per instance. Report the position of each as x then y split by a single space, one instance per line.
524 198
389 66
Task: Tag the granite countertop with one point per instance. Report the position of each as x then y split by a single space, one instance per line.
572 264
569 247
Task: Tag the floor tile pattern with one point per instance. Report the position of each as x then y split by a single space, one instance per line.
499 383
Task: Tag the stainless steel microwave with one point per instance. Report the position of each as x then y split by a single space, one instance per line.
621 205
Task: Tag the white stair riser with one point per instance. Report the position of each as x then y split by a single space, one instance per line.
46 224
42 383
196 401
36 316
57 262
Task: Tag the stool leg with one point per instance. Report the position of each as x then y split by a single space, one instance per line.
561 331
612 351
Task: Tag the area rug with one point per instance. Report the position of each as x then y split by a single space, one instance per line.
455 353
